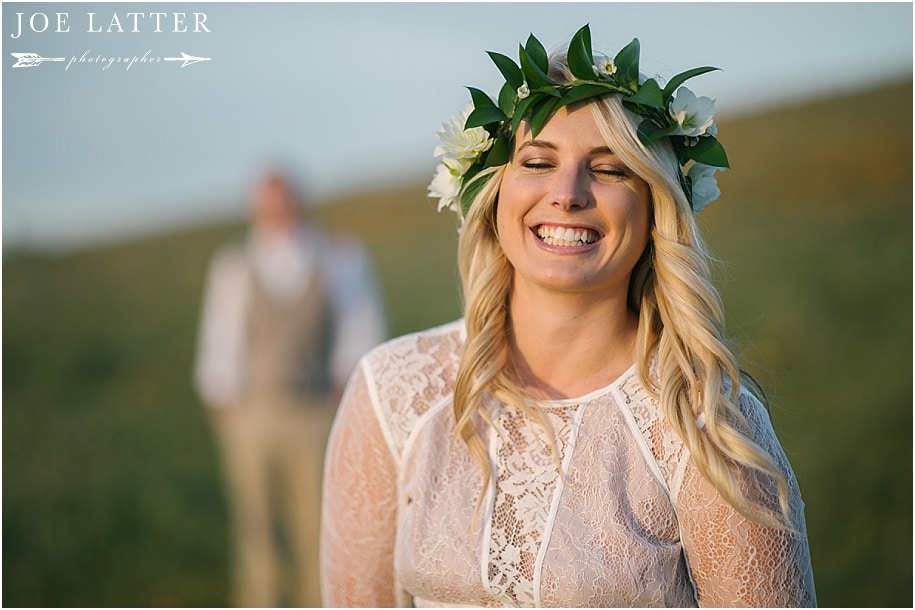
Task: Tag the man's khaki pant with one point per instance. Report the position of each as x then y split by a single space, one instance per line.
273 460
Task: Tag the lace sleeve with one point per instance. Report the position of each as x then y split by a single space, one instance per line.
359 507
733 561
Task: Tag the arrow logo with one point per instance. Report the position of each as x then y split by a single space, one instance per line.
187 59
30 60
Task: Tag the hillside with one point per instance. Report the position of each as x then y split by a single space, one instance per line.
112 490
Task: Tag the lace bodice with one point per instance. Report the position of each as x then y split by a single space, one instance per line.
612 513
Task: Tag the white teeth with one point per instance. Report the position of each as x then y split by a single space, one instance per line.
567 237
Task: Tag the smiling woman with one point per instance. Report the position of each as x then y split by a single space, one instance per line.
571 215
583 436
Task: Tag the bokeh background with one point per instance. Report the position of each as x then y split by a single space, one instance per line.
119 184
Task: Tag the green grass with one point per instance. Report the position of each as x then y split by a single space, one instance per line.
112 490
818 246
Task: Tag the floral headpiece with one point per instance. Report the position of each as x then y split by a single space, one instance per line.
481 137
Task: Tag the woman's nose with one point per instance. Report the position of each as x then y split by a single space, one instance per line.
570 188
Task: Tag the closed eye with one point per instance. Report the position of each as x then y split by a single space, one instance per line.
536 164
617 172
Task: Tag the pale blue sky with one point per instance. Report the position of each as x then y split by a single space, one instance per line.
348 95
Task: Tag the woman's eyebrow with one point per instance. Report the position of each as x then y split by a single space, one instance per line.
537 144
600 150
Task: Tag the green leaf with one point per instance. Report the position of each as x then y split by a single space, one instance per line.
472 187
542 113
499 153
649 94
473 184
534 76
480 98
708 151
679 79
581 60
537 54
686 184
484 110
484 115
627 65
509 69
523 108
583 92
507 96
552 91
649 132
586 38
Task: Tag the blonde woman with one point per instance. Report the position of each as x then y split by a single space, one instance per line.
583 436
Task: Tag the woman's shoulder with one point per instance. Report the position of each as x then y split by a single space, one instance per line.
445 342
663 444
423 362
410 375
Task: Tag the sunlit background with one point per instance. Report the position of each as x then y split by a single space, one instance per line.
352 94
118 184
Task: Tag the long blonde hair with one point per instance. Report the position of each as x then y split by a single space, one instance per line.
680 322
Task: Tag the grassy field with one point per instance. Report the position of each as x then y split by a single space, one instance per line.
111 488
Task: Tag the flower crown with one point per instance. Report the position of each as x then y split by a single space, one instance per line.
481 137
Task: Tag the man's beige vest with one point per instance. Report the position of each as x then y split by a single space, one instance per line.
289 346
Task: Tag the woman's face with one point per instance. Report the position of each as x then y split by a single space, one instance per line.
571 216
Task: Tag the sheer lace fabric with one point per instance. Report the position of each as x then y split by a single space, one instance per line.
613 515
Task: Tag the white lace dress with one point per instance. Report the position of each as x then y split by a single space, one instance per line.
631 522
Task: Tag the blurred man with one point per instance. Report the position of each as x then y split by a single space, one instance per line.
286 315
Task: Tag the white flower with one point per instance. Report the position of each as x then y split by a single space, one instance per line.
446 185
694 115
459 149
705 186
460 143
523 91
604 67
